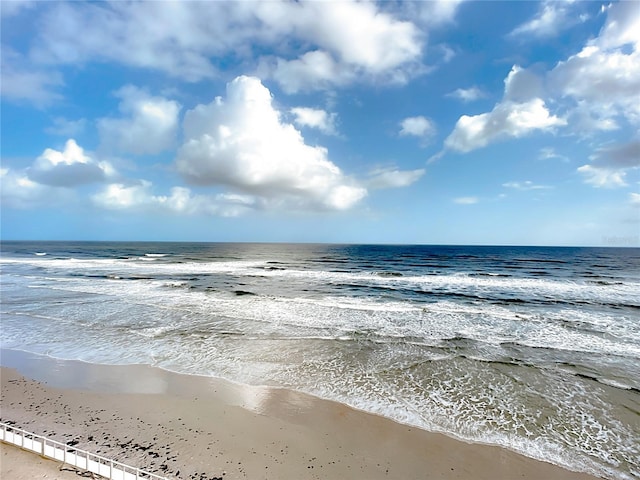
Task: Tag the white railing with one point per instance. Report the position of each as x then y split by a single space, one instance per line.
73 456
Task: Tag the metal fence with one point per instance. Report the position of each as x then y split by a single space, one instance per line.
73 456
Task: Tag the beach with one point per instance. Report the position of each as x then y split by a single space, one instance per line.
529 350
194 427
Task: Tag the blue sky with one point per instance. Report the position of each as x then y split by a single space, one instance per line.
445 122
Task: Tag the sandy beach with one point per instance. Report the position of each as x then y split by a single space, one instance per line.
18 464
192 427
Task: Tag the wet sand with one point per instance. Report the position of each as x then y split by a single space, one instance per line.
193 427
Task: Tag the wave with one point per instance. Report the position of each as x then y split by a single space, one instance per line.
540 260
241 293
389 274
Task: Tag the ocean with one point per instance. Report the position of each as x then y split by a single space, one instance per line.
535 349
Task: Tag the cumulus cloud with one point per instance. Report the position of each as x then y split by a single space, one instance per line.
519 113
393 178
622 26
417 127
241 141
148 126
507 119
603 79
522 85
596 88
359 33
315 118
470 94
607 81
349 40
68 168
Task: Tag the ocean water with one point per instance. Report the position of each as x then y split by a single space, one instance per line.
534 349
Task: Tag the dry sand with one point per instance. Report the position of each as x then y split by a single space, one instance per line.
17 464
191 427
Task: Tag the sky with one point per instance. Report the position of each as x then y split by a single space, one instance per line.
432 122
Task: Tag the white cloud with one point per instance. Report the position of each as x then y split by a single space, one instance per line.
393 178
522 85
467 94
587 116
183 39
18 191
68 168
607 81
418 127
596 87
139 196
121 196
610 164
526 185
240 141
466 200
603 177
622 26
149 125
604 77
634 199
520 112
22 81
349 40
313 70
548 153
507 119
551 19
358 33
315 118
434 13
175 38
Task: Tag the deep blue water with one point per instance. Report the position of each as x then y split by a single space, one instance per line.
533 348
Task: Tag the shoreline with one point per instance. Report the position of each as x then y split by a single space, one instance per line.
189 426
